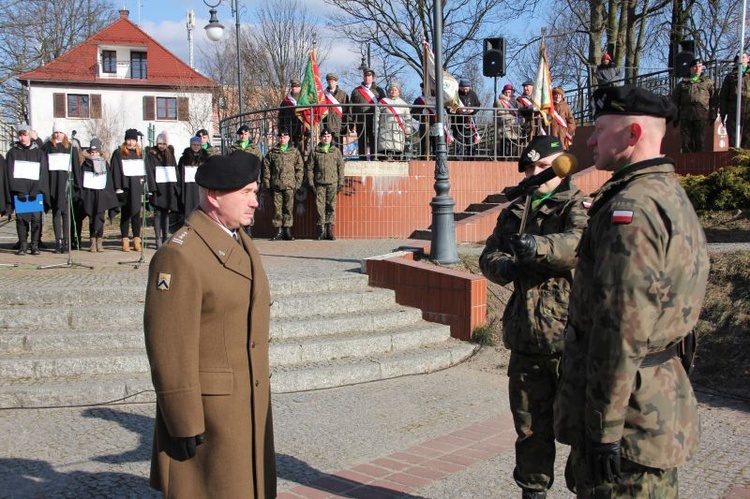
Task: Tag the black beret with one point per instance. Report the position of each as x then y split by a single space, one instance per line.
201 132
243 128
324 131
283 131
132 133
228 173
540 147
630 100
696 61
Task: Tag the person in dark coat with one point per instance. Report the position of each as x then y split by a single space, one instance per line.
163 185
206 327
206 142
60 152
95 194
27 173
464 128
192 157
129 177
6 207
362 118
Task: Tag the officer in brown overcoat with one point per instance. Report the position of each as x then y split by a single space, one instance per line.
206 325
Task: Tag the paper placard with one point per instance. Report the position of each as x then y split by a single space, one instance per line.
59 162
133 168
190 174
26 169
165 174
94 181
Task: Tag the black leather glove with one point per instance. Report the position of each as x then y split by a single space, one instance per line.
604 461
523 246
21 197
508 269
185 447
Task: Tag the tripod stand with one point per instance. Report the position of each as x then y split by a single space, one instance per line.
137 263
69 195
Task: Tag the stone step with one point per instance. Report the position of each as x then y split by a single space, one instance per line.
480 207
498 198
364 322
342 372
327 304
352 345
72 364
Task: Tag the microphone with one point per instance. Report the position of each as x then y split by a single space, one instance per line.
562 166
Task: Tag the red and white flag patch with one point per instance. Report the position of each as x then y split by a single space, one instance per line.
586 204
622 216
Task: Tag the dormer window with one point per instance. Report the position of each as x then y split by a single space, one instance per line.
138 66
109 61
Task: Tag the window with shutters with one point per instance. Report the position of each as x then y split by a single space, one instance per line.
78 106
109 61
138 66
166 108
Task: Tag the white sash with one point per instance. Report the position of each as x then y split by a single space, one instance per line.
367 94
388 105
332 100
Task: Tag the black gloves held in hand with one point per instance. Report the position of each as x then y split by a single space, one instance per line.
507 269
523 246
604 461
185 447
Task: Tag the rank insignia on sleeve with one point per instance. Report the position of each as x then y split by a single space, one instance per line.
162 282
622 216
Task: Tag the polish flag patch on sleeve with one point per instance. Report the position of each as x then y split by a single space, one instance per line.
586 203
622 216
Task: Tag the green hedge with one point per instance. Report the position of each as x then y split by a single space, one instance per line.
725 189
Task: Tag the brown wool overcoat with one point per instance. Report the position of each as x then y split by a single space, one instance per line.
206 324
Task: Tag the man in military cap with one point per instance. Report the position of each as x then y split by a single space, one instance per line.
365 96
245 143
538 259
206 142
325 175
288 113
694 97
625 403
206 324
282 175
338 114
728 102
526 111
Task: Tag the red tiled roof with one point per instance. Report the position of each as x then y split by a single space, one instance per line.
79 65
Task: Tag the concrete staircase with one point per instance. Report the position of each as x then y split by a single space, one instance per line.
84 346
473 210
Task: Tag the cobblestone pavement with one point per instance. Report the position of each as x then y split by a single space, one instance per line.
443 435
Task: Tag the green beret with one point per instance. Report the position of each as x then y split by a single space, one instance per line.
540 147
228 173
630 100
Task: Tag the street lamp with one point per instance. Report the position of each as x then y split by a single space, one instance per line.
443 246
215 30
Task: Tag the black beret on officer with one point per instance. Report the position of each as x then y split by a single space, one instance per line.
228 173
540 147
633 101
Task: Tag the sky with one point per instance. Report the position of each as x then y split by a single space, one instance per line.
165 21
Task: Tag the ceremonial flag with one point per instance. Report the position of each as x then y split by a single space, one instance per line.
450 84
312 93
542 94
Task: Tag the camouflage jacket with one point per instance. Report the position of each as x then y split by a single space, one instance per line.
536 313
282 169
250 149
325 168
695 99
638 289
728 94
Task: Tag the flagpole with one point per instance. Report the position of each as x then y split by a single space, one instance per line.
443 246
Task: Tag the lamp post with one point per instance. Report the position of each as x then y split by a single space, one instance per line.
443 247
215 30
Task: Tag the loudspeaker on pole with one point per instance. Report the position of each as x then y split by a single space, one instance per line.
493 60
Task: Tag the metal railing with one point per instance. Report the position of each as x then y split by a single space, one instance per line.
489 134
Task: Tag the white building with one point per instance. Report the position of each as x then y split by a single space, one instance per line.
117 79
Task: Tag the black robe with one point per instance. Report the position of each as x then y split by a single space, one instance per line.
93 201
164 195
58 179
189 190
133 186
17 186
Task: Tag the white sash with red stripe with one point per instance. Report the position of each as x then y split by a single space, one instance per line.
289 99
560 121
332 100
388 105
526 102
367 94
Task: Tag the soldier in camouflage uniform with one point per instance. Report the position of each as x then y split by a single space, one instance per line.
625 403
325 175
540 264
282 175
728 104
245 144
694 98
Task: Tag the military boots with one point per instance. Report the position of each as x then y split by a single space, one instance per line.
329 232
288 234
321 232
279 235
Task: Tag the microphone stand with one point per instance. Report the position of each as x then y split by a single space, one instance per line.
137 263
69 195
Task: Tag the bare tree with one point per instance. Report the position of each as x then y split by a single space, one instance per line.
34 32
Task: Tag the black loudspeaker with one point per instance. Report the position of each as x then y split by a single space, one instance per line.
683 59
687 46
493 62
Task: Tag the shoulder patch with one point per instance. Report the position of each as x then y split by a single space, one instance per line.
622 216
163 281
586 203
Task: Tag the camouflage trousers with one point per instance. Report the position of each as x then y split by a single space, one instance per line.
636 481
325 202
532 385
283 208
692 133
731 125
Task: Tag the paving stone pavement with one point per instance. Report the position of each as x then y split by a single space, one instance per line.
443 435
